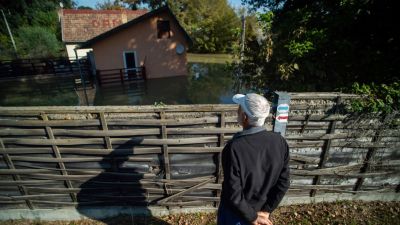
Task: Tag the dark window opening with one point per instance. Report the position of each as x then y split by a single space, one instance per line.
163 29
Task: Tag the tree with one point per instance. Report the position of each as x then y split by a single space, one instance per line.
152 4
26 13
324 45
111 5
212 24
37 42
85 7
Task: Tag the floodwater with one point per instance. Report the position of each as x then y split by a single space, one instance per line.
206 84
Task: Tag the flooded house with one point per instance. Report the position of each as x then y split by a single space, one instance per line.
154 42
81 25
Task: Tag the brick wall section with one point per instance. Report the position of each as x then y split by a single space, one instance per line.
82 25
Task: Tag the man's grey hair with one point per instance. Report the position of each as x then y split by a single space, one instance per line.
258 107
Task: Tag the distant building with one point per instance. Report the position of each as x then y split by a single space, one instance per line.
154 40
78 26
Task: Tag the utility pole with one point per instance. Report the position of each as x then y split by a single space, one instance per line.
243 36
83 82
9 32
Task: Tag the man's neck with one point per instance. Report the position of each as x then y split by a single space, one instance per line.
246 127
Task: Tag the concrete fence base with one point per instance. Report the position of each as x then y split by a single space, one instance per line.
108 212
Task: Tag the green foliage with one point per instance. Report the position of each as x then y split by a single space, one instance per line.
376 98
266 19
37 42
84 7
40 15
6 48
212 24
159 104
299 49
110 5
323 45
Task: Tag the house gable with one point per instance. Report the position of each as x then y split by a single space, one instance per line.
162 10
78 26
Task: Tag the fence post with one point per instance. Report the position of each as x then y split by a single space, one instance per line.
165 146
50 135
370 155
144 75
121 75
16 177
221 143
98 77
326 147
280 108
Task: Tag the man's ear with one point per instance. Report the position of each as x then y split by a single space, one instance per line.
246 118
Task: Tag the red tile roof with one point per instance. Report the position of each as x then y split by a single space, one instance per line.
81 25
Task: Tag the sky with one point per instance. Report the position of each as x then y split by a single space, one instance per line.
92 3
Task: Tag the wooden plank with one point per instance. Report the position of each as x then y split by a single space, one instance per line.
104 126
221 144
25 182
164 200
164 136
183 141
87 151
36 110
41 173
302 158
326 148
16 178
53 123
327 117
114 122
75 159
82 133
326 171
88 141
57 154
192 150
321 95
369 157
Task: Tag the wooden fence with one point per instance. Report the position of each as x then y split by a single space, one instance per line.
51 66
169 155
120 76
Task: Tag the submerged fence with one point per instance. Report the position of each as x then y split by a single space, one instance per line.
51 66
120 76
169 155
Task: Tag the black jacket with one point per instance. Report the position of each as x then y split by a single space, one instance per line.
256 172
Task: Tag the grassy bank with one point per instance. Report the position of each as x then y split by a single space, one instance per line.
344 213
209 58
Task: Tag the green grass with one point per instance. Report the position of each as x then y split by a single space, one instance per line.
209 58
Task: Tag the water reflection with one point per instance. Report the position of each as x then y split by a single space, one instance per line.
38 92
206 84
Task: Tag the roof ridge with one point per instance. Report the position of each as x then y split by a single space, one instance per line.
103 11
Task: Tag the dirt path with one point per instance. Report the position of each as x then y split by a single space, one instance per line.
340 213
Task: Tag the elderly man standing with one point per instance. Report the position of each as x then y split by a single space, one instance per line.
255 165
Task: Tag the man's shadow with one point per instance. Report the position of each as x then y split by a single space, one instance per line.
118 190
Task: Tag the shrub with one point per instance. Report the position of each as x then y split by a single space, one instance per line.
37 42
376 98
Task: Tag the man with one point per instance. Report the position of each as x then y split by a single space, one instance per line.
255 165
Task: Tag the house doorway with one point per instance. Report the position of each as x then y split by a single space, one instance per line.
130 63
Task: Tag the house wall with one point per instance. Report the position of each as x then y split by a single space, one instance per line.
157 55
80 52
